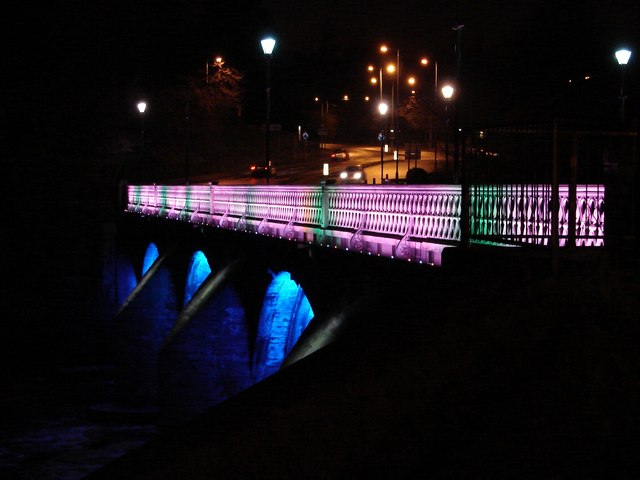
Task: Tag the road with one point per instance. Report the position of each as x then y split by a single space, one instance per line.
310 172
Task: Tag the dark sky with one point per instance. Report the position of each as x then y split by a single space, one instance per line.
510 51
94 55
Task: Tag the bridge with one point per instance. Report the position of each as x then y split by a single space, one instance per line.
408 222
221 289
232 288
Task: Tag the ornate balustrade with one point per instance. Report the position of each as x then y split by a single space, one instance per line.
522 214
410 222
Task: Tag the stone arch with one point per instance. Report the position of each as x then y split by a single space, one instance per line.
197 272
285 313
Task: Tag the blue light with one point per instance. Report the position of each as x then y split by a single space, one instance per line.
198 271
285 314
150 256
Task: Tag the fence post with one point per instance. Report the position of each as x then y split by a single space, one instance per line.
212 204
573 164
555 199
324 210
465 234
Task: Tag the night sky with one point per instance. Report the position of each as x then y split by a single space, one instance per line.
88 57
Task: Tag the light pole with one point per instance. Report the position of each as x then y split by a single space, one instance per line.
142 106
391 69
397 127
268 44
374 80
395 107
324 110
623 57
382 108
447 93
424 61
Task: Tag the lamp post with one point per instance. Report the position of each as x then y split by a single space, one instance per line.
424 61
395 107
447 93
322 132
397 127
391 68
268 44
142 106
623 57
382 108
374 80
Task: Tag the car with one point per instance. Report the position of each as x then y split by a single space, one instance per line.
340 154
262 170
352 174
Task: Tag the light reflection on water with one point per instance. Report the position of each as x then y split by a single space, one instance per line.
53 431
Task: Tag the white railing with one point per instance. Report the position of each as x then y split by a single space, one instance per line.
410 221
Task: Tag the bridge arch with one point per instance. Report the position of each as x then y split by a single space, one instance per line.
203 313
150 256
197 273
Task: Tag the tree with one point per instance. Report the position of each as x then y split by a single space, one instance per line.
219 92
195 113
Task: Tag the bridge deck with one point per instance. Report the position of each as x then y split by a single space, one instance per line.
409 222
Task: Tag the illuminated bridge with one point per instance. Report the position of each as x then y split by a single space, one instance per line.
413 223
215 288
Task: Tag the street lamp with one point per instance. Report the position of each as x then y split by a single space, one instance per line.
268 44
142 106
623 57
447 93
424 62
322 131
374 80
395 109
382 108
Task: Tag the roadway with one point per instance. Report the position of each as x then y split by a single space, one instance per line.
310 172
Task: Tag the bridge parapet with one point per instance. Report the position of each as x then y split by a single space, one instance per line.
520 214
411 222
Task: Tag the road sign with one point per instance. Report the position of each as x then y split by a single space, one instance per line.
380 137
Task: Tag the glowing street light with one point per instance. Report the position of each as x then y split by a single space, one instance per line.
395 109
382 108
142 106
374 80
411 81
268 44
424 61
447 94
623 57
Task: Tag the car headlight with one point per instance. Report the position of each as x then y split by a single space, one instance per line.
343 175
357 175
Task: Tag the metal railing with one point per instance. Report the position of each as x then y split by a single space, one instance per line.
407 221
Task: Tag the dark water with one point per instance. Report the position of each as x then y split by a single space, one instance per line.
57 419
62 425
